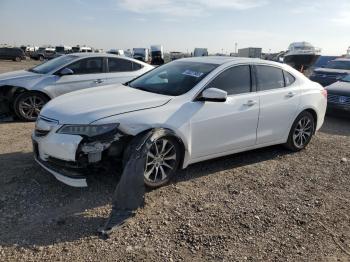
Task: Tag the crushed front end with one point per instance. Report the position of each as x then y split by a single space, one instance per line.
70 152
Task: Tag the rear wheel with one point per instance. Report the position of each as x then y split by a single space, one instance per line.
301 132
41 58
27 105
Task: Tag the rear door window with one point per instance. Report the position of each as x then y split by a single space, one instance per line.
269 77
119 65
136 66
235 80
87 66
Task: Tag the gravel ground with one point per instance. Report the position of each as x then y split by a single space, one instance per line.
267 205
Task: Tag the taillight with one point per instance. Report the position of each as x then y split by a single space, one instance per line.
324 93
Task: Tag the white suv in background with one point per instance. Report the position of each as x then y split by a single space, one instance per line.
205 107
25 92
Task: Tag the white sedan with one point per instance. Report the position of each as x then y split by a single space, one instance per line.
205 107
25 92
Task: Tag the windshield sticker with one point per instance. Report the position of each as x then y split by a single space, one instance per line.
189 72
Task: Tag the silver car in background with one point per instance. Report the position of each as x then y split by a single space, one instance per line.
25 92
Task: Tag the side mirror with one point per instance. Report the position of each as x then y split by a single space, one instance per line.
213 95
66 71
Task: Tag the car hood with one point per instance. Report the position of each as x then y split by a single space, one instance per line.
339 88
20 78
92 104
18 75
331 70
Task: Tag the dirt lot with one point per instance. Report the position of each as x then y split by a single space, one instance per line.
266 204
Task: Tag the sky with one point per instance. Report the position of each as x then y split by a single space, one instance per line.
178 25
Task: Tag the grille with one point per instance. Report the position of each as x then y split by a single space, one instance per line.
337 99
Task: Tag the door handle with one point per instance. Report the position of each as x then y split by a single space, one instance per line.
290 94
98 81
250 103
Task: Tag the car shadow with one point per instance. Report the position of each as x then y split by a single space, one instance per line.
40 211
231 161
336 124
36 209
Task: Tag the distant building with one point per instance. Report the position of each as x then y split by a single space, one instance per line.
251 52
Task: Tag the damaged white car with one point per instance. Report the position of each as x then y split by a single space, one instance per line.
199 108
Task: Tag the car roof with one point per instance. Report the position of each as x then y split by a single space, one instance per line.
220 60
82 55
342 59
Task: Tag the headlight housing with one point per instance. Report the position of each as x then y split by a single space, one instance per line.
87 130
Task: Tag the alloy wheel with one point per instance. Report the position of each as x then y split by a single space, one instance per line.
303 132
30 107
160 161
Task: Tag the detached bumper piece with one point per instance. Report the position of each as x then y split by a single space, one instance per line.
67 176
130 191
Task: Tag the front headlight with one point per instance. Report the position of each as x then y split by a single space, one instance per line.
87 130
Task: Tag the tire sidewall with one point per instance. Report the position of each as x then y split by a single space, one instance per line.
153 136
291 144
22 96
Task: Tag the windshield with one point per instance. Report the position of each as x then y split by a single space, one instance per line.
52 64
173 79
339 65
346 79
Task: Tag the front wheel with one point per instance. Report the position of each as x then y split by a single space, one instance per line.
27 105
301 132
162 158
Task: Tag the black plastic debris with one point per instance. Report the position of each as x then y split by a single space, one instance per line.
129 193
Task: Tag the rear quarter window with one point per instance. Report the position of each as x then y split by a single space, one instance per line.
289 79
269 77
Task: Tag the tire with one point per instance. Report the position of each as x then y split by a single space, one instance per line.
27 105
41 58
18 59
158 168
301 132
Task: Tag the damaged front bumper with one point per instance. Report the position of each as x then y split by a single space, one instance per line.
69 157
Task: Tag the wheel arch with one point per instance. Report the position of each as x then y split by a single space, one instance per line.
21 90
172 133
314 115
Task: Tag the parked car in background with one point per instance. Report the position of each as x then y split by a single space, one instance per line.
198 109
322 61
332 72
25 92
44 53
63 49
339 95
12 53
